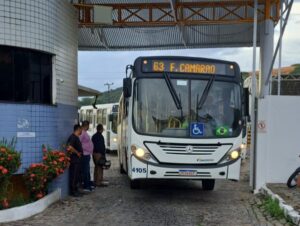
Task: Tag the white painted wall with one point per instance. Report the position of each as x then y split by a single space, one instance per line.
278 146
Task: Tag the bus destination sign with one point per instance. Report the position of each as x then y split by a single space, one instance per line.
191 67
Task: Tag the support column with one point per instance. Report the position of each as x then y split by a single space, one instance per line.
266 54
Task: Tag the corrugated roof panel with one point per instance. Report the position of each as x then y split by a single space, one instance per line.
170 37
121 1
142 37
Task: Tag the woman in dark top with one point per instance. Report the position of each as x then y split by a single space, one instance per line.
98 154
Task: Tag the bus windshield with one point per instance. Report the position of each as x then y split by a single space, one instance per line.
155 113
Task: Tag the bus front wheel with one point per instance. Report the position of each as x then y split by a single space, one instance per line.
208 184
135 184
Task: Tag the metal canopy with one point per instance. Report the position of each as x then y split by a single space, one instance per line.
87 92
171 24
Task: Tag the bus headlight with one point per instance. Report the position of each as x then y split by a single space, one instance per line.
140 153
232 155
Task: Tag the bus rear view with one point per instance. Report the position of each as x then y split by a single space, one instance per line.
181 118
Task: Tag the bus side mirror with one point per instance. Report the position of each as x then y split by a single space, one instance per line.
246 102
127 87
110 117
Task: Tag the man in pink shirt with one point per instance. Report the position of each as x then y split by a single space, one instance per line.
88 147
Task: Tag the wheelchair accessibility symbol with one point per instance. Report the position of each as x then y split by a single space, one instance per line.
196 129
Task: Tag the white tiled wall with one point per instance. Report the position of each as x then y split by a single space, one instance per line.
49 26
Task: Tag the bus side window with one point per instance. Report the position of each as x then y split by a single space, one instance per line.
99 116
94 120
88 115
104 111
81 116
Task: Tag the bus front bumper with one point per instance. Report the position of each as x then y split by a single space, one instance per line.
142 170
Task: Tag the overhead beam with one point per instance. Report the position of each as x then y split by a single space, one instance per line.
181 13
180 27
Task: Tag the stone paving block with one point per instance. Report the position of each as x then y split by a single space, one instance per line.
157 203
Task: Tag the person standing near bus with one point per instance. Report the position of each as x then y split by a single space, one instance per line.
75 149
99 156
87 146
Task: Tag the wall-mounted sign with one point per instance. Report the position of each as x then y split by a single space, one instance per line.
261 126
23 123
25 134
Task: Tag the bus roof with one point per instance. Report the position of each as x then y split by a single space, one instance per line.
99 106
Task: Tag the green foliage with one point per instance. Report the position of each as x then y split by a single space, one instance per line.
39 175
112 96
10 161
36 179
296 71
19 200
85 101
56 161
272 206
9 144
245 75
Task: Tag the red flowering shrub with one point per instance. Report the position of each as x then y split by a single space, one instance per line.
57 161
36 180
38 176
10 161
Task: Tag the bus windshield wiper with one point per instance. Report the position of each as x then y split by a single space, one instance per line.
205 92
172 91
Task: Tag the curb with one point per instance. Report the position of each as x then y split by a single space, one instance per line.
22 212
287 209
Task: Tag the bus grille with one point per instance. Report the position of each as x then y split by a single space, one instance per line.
176 149
185 153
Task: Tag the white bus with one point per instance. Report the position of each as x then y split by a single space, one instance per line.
181 118
105 114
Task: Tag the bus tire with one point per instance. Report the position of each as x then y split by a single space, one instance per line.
135 184
122 171
208 184
292 181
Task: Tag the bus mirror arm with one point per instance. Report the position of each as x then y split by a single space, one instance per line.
127 68
246 103
95 101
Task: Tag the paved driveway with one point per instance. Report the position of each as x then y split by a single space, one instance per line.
157 203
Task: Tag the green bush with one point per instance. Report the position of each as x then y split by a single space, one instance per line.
10 162
272 206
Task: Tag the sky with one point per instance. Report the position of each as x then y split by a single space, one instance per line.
95 68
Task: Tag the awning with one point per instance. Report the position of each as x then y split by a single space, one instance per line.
86 92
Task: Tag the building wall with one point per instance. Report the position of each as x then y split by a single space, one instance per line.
51 126
48 26
278 142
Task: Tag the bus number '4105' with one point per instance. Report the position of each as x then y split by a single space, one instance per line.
139 170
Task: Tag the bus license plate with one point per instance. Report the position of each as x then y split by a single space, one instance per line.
187 172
